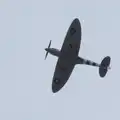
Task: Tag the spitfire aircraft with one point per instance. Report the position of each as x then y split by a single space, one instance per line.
68 57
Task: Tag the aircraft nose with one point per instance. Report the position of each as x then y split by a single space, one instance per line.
46 49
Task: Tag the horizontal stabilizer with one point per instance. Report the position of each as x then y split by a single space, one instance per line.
104 66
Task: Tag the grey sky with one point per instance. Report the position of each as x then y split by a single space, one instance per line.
26 26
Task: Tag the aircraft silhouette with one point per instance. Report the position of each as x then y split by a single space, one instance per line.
68 57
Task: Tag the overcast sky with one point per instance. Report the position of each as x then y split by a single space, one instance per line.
26 26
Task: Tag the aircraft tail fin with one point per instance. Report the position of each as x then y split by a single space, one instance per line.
104 66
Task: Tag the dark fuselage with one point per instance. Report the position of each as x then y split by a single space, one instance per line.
68 57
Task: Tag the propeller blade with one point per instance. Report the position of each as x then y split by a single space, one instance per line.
49 44
46 55
47 51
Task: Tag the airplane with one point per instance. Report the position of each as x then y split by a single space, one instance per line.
68 57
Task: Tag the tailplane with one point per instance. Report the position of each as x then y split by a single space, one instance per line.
104 66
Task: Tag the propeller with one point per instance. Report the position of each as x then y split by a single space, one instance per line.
47 48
